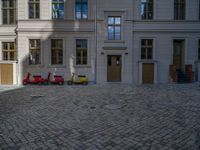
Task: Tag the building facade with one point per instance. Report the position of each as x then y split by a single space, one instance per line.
134 41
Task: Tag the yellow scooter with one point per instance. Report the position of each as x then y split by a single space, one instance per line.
78 79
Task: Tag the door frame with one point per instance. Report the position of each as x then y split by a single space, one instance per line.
185 47
183 51
120 67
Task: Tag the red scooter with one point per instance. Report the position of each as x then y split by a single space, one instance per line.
37 79
57 79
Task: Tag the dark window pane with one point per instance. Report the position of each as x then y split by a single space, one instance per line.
143 53
37 11
147 9
81 51
31 11
5 17
118 20
111 20
146 49
81 9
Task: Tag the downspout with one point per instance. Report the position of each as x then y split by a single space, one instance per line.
16 44
95 66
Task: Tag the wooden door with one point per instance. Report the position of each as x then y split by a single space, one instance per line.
114 68
148 73
6 71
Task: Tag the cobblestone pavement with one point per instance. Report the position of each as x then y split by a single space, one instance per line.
101 117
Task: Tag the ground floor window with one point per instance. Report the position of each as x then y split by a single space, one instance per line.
81 51
56 51
34 52
9 51
146 49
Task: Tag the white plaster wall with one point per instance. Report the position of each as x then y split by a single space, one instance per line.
68 66
164 52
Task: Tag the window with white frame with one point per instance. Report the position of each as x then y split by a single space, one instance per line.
114 28
147 49
81 9
9 51
179 9
147 9
81 51
9 11
34 9
34 52
58 9
56 51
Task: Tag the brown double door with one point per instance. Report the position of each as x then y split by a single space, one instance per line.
148 73
6 74
114 68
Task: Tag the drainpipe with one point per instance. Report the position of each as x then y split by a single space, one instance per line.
95 66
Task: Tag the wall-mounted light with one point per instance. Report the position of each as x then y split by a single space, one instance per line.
102 53
126 53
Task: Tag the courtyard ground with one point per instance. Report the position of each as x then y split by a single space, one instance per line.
101 117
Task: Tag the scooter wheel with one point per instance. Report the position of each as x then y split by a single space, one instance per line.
69 82
61 83
85 83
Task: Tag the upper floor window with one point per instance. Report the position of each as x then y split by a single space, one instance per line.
58 9
114 28
81 9
9 11
34 9
81 51
56 51
146 49
147 9
199 51
179 9
34 51
9 51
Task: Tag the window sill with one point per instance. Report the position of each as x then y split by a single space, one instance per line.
8 25
35 66
114 41
82 66
57 66
147 61
8 61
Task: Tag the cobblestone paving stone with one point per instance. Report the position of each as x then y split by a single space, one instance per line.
95 117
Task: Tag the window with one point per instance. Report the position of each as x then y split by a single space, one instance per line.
34 52
199 51
147 9
58 9
9 51
114 28
56 51
146 49
199 9
34 9
9 11
81 9
179 9
81 51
